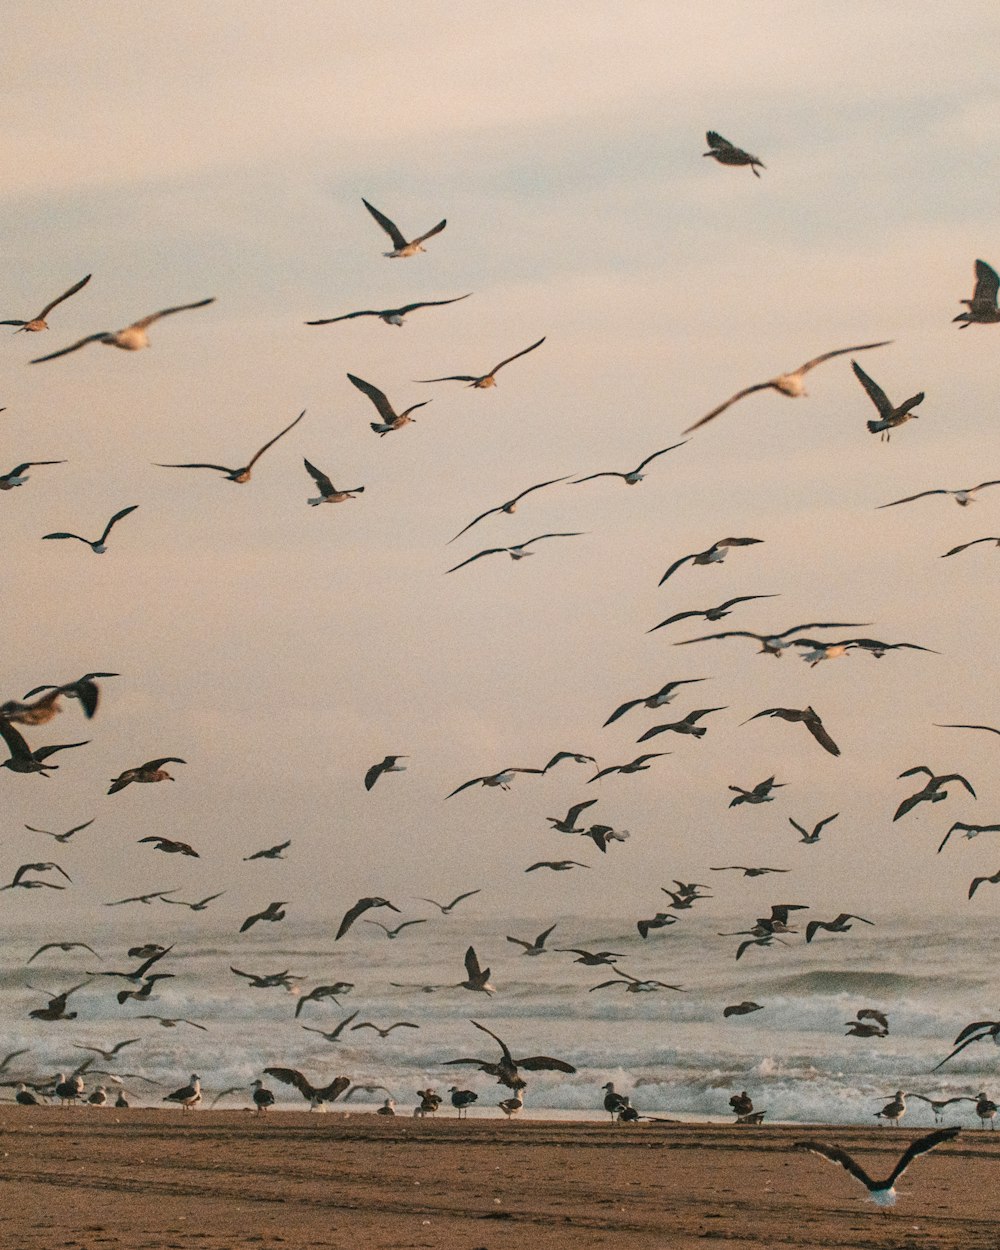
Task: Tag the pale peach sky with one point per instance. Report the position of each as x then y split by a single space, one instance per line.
195 150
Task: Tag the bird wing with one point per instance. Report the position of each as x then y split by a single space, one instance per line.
66 294
524 352
64 534
291 1076
874 391
825 821
910 498
430 234
920 1147
490 551
472 967
15 743
818 731
377 397
453 377
988 728
270 443
428 303
390 227
29 464
351 915
65 351
662 452
368 312
620 711
503 1045
115 519
221 468
538 538
573 815
978 881
987 285
543 1063
716 142
836 1155
593 476
953 552
840 351
166 312
326 487
373 774
675 566
748 390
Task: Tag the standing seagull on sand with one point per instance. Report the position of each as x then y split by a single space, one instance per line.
391 420
485 380
391 316
244 472
889 414
789 384
401 246
97 545
39 322
882 1193
189 1096
982 308
131 339
727 153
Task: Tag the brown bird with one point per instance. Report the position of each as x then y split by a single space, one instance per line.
361 906
806 716
131 339
151 771
243 473
272 912
790 384
328 493
486 380
890 415
401 246
391 420
39 322
85 689
982 308
171 847
510 507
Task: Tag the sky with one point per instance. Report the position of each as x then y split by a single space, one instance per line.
223 150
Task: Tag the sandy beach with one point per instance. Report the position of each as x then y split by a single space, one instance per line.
148 1179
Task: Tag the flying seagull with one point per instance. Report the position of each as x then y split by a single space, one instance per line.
402 247
567 823
789 384
982 308
806 716
962 546
510 507
633 985
63 946
19 475
810 838
270 852
882 1192
665 694
890 415
502 779
932 792
506 1069
517 552
335 1033
328 493
771 644
244 472
838 925
712 555
557 865
84 689
537 947
151 771
362 905
39 322
761 792
970 831
688 725
22 758
272 912
727 154
486 380
978 881
97 545
199 905
389 765
322 992
391 420
710 614
978 1031
131 339
638 765
963 496
394 932
447 908
170 846
632 476
391 316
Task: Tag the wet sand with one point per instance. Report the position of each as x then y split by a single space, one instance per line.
90 1178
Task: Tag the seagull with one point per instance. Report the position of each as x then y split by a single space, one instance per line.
131 339
200 905
268 980
686 726
384 1033
592 959
39 323
328 493
108 1055
502 779
838 925
486 380
962 546
141 898
633 476
660 921
869 1023
171 1022
262 1097
789 384
63 837
19 475
985 728
462 1100
189 1096
771 644
710 614
244 472
517 552
576 756
882 1193
23 883
633 985
931 793
986 1109
334 1034
506 1069
810 838
537 947
22 758
741 1009
391 316
748 872
820 650
726 154
271 852
601 835
55 1008
84 689
889 414
391 420
68 1091
151 771
711 555
937 1105
510 507
761 792
806 716
613 1101
316 1095
145 990
567 824
402 247
557 865
742 1103
978 881
25 1098
63 946
447 908
138 974
893 1111
390 764
362 905
393 933
322 992
477 977
982 308
96 545
272 912
666 694
170 846
511 1106
978 1031
970 831
638 765
963 496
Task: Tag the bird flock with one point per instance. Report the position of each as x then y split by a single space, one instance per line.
21 716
